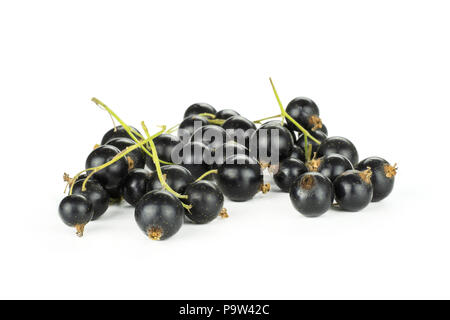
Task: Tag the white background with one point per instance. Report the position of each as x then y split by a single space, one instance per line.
379 71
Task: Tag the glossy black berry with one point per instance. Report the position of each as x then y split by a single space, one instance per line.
137 157
340 146
119 132
177 177
226 113
76 211
134 186
189 125
211 136
115 194
272 123
165 145
240 129
206 200
305 112
159 214
298 153
240 178
333 165
353 189
111 176
96 194
199 108
289 170
271 144
312 194
319 135
227 150
383 176
197 158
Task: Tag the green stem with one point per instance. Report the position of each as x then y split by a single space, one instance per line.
113 160
268 118
126 127
158 166
307 155
286 115
216 121
207 174
170 130
210 115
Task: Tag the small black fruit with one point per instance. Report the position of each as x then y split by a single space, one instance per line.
312 194
289 170
383 176
340 146
159 214
111 176
76 211
134 186
206 200
353 189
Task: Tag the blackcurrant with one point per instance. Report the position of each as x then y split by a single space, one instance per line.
227 150
189 125
76 211
137 157
96 194
240 177
298 153
305 112
340 146
211 136
111 176
319 135
289 170
312 194
353 189
134 186
278 123
206 200
383 176
271 144
119 132
240 129
197 158
199 108
226 113
177 177
165 145
333 165
159 214
115 194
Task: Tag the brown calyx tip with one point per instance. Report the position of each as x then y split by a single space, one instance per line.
315 122
80 229
264 188
68 179
130 163
307 182
155 233
224 213
390 171
313 164
96 146
264 165
366 175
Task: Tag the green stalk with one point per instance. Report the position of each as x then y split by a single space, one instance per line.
286 115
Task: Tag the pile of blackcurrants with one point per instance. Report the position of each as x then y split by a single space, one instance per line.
172 178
